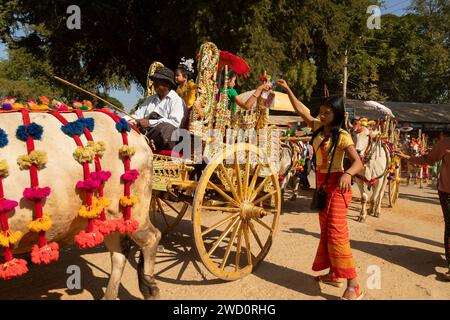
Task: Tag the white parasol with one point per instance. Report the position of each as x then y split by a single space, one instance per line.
379 107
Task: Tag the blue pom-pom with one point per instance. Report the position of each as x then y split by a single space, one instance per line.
3 138
123 126
35 131
73 128
88 123
22 133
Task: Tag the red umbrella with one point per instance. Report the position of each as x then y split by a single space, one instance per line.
234 62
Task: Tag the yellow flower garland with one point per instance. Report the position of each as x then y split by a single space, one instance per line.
40 224
8 238
127 151
4 170
128 201
38 158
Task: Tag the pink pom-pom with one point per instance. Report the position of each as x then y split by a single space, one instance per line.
45 254
63 108
127 226
105 227
130 175
89 184
89 239
7 205
36 193
101 176
13 268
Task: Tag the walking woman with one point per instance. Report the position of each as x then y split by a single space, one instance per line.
331 142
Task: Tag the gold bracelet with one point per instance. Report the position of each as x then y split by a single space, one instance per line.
253 94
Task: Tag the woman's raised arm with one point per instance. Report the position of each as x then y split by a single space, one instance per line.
301 109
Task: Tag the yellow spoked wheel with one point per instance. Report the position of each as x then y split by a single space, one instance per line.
166 214
236 209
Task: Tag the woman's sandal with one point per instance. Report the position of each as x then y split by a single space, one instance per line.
330 280
357 290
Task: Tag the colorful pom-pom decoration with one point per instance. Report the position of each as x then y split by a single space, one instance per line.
40 224
13 268
45 254
130 175
76 128
123 126
84 154
88 184
33 130
106 227
36 157
98 147
36 193
127 226
128 201
4 170
127 151
89 239
7 205
8 238
101 176
3 138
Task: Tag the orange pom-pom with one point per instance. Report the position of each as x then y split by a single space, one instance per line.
89 239
105 227
13 268
45 254
127 226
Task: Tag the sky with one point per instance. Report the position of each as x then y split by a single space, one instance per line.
129 98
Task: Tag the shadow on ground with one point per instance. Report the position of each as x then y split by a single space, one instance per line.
420 261
41 281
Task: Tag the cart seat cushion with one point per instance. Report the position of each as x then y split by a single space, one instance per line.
169 153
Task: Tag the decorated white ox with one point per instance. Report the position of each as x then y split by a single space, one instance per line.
56 186
375 156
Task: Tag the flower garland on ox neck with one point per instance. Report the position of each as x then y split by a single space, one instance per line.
12 267
92 207
127 201
43 252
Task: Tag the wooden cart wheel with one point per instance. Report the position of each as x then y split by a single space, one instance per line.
234 226
166 214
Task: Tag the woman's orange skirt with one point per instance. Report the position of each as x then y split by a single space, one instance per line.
334 247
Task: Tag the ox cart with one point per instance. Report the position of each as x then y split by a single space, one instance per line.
235 195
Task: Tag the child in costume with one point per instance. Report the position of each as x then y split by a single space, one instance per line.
186 86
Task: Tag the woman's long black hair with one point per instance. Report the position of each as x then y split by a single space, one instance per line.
336 103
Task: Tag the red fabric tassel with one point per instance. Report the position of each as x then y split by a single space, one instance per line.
45 254
13 268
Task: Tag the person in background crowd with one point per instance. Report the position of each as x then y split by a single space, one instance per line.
439 152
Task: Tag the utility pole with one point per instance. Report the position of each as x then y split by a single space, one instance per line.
345 75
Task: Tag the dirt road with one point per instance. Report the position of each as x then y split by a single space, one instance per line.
398 256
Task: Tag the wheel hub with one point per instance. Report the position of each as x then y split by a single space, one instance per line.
249 210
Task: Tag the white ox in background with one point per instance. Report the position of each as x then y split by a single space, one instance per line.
285 171
61 174
375 157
